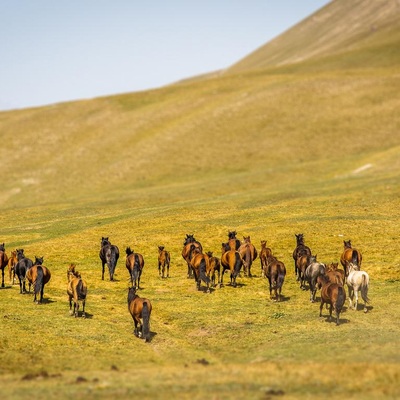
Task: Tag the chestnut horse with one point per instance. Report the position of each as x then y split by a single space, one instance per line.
189 240
77 291
248 253
3 262
275 271
200 264
12 262
300 250
214 267
38 275
134 264
140 310
265 252
350 255
163 261
332 293
109 255
230 259
21 269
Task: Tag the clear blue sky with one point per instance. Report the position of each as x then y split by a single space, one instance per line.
59 50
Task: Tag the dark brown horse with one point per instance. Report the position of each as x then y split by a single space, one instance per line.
214 267
300 250
350 255
189 240
140 310
332 294
248 253
163 261
230 260
134 264
275 271
265 252
3 262
38 275
109 254
77 291
21 268
233 241
200 264
12 262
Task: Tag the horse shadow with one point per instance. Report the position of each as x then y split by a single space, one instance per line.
6 287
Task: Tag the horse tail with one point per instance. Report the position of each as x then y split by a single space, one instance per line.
341 297
146 321
80 290
238 264
354 257
280 280
39 280
203 275
364 288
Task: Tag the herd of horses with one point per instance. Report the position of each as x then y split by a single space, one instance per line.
205 268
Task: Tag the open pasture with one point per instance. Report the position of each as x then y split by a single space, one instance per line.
231 342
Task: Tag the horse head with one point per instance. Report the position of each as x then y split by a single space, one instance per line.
104 241
2 247
299 239
232 234
347 244
20 254
38 260
160 249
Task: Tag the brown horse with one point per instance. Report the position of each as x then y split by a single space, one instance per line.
163 261
275 271
334 274
200 264
109 254
3 262
134 264
12 262
140 310
189 240
230 260
77 291
38 275
300 250
333 294
302 263
265 252
248 253
350 255
214 265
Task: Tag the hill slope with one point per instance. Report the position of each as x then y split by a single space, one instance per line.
340 27
239 127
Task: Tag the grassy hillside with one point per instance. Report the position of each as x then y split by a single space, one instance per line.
268 150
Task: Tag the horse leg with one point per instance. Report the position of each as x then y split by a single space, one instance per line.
321 306
70 306
83 308
2 277
102 270
356 297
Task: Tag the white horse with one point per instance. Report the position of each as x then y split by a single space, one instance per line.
357 281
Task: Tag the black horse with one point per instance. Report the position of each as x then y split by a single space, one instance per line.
21 268
109 255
